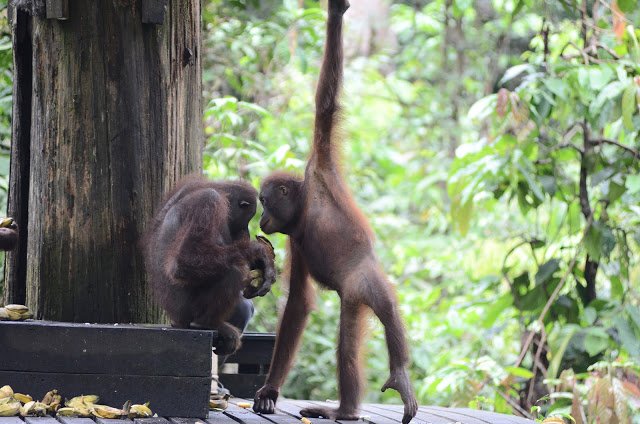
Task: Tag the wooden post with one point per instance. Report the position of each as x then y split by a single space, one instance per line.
112 120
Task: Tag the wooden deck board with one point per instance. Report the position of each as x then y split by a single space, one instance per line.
393 412
288 412
489 417
246 416
216 417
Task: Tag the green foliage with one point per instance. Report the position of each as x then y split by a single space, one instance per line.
493 146
420 118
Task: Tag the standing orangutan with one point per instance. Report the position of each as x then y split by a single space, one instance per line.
331 241
200 257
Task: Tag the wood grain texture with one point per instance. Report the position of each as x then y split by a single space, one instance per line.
115 121
104 349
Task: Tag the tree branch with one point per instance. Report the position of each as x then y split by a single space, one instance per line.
628 149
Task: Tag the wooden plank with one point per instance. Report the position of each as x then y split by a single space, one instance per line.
279 417
10 420
113 421
312 403
40 420
76 420
257 348
288 407
153 420
44 346
169 396
392 412
57 9
246 416
153 11
491 417
216 417
454 416
186 421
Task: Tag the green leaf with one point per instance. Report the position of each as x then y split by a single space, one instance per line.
633 184
493 312
519 372
629 105
629 340
596 341
599 241
627 5
546 271
556 357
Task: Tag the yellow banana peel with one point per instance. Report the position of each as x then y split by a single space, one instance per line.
22 398
10 409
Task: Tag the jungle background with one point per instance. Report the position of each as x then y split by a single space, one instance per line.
494 146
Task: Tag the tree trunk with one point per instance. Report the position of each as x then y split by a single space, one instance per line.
107 118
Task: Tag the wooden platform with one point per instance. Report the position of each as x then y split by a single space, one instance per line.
288 413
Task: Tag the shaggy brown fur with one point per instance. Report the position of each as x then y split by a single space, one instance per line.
199 254
331 241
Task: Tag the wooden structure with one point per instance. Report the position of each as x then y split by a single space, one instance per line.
250 364
168 367
288 413
106 118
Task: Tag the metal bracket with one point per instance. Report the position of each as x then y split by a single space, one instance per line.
153 11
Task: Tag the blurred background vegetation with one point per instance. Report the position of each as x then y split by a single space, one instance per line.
494 146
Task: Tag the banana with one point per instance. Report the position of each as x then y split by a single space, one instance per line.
6 222
104 411
15 313
82 402
218 404
16 308
27 408
141 411
5 391
4 314
10 409
22 398
53 400
305 420
66 412
245 405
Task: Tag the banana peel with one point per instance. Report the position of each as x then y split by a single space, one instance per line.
22 398
140 411
104 411
10 409
33 408
6 392
82 401
6 222
14 313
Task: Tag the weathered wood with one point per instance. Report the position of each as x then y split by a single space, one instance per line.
15 290
169 396
257 348
253 359
10 420
216 417
153 11
57 9
489 417
113 421
154 420
77 420
104 349
245 415
41 420
114 122
290 408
